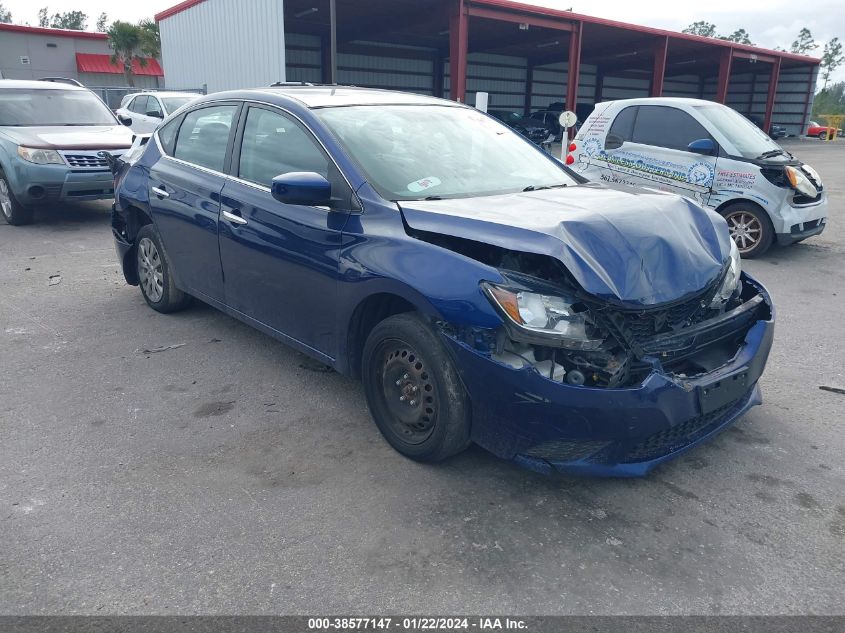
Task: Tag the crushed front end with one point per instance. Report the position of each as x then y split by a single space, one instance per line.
633 387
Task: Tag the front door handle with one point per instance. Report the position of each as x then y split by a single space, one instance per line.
161 193
234 218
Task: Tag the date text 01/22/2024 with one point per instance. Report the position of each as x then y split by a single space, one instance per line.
416 624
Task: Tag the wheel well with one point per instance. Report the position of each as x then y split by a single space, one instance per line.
133 220
369 313
744 202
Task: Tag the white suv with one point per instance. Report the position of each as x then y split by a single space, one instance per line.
148 109
710 153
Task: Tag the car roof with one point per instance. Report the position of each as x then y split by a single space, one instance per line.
333 96
28 84
163 93
676 101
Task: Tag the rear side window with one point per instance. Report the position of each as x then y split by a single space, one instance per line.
139 105
273 145
663 126
153 107
623 124
167 135
204 136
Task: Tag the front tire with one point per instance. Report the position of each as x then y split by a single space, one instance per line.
154 274
413 390
750 228
823 136
12 211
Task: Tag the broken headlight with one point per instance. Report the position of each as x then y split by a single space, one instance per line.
800 182
543 319
731 281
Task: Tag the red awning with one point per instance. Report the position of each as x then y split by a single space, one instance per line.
92 63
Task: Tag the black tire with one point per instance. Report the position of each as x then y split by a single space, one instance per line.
154 276
823 136
750 227
413 390
12 211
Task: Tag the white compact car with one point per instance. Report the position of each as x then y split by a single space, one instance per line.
710 153
147 109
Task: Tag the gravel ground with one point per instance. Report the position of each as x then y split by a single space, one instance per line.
226 475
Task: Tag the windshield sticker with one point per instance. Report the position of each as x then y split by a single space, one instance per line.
424 183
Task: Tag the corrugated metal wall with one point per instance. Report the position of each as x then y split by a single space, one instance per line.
747 93
549 84
224 44
396 69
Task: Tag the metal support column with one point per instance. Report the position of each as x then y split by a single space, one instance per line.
661 49
774 76
332 42
529 88
724 79
458 51
573 72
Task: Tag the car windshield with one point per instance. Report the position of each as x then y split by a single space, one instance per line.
413 152
749 140
46 107
171 104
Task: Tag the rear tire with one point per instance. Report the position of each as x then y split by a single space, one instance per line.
750 227
413 390
12 211
154 273
823 136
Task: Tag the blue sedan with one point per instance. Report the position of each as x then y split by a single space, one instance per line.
480 290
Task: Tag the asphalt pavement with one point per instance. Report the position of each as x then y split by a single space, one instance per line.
154 464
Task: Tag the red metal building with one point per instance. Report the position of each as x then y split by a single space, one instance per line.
528 57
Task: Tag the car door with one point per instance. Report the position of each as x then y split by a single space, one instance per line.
185 188
655 151
138 113
280 261
154 113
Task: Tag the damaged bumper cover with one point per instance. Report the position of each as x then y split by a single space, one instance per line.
548 425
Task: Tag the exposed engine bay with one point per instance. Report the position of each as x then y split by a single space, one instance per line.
683 339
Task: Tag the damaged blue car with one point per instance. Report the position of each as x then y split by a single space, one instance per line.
480 290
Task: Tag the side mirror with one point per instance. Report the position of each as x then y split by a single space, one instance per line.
611 141
155 114
302 187
124 120
704 146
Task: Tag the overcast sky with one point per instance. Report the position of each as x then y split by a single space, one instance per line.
770 22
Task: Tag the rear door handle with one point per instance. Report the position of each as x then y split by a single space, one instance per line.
234 218
161 193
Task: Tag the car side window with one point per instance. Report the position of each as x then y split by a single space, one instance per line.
274 144
139 105
167 135
154 107
623 124
204 136
664 126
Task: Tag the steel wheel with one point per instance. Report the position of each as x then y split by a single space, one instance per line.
5 199
409 392
746 230
150 271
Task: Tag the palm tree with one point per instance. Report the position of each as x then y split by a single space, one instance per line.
132 42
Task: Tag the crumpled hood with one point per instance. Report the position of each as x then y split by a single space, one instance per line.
71 137
625 245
